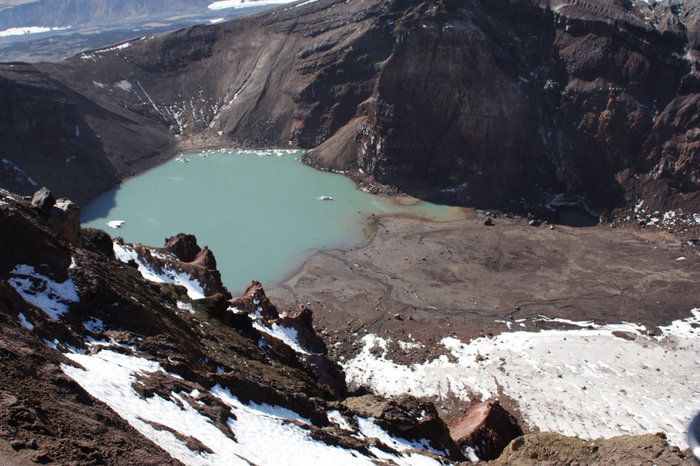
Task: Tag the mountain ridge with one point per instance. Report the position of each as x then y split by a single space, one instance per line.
519 102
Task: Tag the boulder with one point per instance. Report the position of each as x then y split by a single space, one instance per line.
550 448
64 217
301 320
43 200
487 428
183 246
98 240
406 417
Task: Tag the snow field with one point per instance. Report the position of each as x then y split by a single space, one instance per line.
262 431
224 4
586 382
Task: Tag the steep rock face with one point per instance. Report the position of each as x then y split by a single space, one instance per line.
52 136
485 103
486 428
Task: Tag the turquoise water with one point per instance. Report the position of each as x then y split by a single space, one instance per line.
259 212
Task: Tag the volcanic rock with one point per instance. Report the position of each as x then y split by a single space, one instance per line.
107 306
28 239
486 427
301 320
255 301
39 400
407 417
64 218
487 103
256 305
99 240
549 448
184 247
43 200
182 254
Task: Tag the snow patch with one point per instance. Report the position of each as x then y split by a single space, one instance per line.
52 297
225 4
194 288
26 30
369 429
185 306
669 219
18 172
94 325
585 382
109 376
289 336
124 85
336 418
123 46
25 322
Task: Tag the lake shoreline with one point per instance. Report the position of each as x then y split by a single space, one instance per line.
468 275
262 212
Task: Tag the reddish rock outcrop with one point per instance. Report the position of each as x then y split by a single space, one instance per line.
184 247
406 417
486 427
255 301
64 218
257 305
181 253
301 320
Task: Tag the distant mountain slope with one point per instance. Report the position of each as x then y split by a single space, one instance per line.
76 12
488 103
50 30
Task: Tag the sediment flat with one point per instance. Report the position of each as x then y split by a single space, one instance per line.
464 279
387 308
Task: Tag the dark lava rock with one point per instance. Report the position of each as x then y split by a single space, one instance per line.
301 320
485 427
64 218
407 417
184 247
43 200
549 448
254 301
99 240
181 253
490 103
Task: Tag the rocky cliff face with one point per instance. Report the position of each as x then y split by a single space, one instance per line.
488 103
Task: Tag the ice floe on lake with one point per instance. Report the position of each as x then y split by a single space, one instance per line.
115 224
